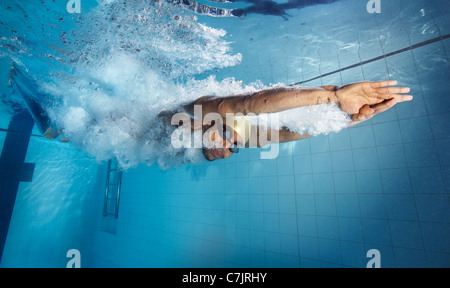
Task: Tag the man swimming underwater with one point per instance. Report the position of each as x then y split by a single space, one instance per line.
361 100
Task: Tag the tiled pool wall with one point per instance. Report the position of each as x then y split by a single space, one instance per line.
324 202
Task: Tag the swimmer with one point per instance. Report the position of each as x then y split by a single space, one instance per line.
362 101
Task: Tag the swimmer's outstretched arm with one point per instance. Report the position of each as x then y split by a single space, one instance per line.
355 99
366 113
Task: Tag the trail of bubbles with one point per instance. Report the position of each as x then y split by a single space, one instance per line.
125 62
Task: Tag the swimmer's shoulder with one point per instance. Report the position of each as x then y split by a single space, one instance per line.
202 100
189 107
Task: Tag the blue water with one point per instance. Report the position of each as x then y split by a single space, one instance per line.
323 202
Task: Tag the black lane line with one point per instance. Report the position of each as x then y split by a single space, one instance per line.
13 168
412 47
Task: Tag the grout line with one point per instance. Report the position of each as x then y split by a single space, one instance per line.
18 132
383 189
296 209
412 47
335 205
406 156
437 155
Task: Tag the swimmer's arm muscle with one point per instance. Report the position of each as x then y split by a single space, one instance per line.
353 98
268 101
284 135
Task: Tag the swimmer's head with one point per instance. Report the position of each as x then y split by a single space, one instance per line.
225 142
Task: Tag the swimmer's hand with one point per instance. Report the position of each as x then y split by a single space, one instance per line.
367 112
51 134
366 99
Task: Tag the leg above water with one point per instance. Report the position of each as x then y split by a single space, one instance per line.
26 86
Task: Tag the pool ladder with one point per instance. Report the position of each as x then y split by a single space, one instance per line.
112 190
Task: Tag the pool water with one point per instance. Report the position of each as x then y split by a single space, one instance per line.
323 202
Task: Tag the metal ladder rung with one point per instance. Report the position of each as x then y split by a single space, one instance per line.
108 189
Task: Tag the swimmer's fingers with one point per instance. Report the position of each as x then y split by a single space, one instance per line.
383 106
391 92
382 94
368 112
51 134
403 98
387 97
380 84
365 112
382 90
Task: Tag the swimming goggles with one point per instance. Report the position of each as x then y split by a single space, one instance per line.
227 136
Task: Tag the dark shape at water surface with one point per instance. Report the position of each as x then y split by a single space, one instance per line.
266 7
269 7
